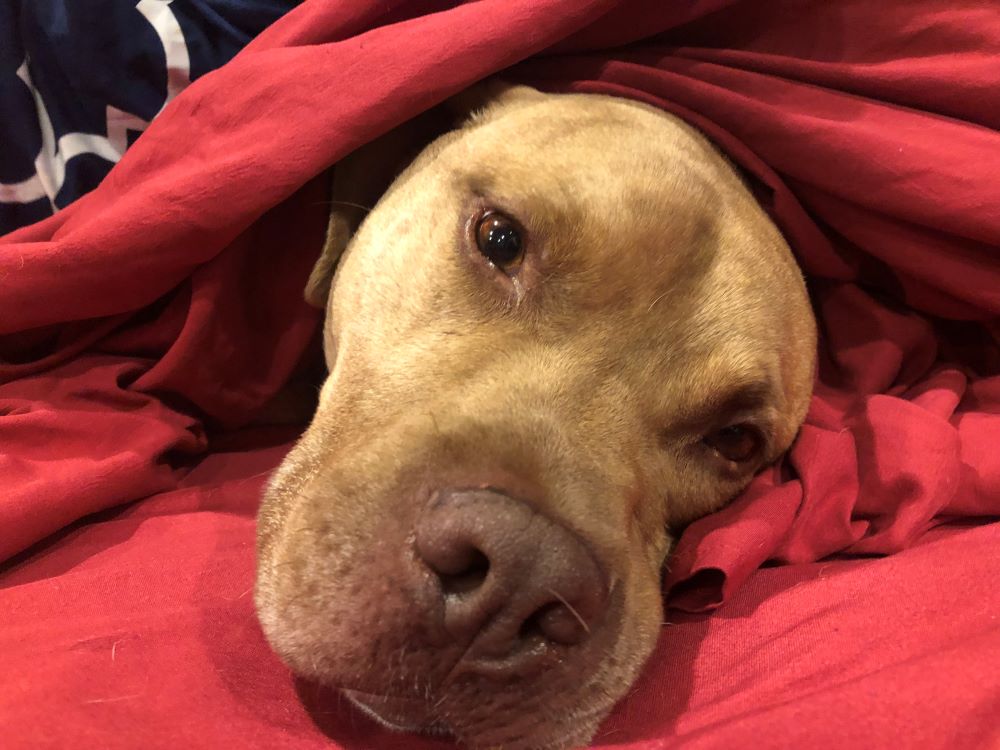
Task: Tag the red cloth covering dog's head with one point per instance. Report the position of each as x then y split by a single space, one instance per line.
145 323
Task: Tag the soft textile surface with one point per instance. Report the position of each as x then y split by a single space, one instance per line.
143 326
79 81
136 631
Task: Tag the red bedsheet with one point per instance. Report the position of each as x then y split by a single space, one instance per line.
142 328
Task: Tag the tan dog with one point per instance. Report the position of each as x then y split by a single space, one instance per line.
564 331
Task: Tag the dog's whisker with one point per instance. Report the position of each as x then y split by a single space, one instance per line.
653 303
349 204
583 623
439 702
437 427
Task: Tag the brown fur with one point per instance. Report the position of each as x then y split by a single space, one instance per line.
656 303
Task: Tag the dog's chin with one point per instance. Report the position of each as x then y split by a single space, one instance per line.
525 733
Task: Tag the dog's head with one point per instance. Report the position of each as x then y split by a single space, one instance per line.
564 331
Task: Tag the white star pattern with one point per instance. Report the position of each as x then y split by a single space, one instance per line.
50 164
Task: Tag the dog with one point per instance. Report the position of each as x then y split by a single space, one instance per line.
565 331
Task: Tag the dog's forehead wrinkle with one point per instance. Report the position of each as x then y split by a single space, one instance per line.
558 138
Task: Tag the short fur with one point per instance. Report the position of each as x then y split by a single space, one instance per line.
656 303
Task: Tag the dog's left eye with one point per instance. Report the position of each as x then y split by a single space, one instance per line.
738 443
499 239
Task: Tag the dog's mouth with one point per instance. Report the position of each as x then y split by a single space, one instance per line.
524 731
398 714
437 691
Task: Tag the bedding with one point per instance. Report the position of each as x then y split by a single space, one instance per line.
80 81
846 598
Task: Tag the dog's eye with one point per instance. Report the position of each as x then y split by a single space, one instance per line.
499 239
738 443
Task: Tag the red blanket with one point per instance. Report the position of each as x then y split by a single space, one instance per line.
142 328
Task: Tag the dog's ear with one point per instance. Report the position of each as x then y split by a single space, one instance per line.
358 181
360 178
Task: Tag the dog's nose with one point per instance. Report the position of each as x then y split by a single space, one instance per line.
513 582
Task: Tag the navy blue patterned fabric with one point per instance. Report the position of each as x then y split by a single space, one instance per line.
81 79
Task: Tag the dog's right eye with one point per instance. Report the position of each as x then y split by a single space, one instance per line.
737 443
499 240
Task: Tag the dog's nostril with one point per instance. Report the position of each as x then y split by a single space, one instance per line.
468 577
455 559
556 622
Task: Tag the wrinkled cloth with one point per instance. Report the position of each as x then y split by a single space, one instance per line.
145 325
137 630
